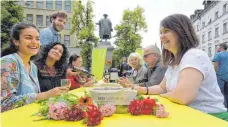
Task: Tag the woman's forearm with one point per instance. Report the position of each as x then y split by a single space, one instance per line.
42 96
151 90
175 98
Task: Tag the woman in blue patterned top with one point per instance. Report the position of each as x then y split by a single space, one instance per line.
19 81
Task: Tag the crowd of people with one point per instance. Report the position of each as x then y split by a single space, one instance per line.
34 64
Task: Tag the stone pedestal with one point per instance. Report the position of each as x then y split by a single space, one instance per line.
110 48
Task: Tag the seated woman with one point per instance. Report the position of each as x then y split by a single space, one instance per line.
19 81
136 62
190 78
77 78
52 66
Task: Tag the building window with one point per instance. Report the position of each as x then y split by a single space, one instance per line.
209 52
198 27
216 46
209 21
30 18
203 24
225 42
48 21
67 5
58 5
209 35
203 38
225 27
68 24
49 4
224 8
39 4
21 2
216 32
29 4
39 20
67 40
216 14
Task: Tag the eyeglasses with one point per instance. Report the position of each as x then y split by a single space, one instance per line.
145 56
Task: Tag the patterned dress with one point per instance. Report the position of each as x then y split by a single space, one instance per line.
18 87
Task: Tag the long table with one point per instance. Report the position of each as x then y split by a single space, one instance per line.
180 116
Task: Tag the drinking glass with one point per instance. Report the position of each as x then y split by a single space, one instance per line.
65 82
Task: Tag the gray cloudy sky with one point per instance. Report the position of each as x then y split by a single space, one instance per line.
155 11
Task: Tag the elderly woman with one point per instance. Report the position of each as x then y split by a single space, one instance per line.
136 62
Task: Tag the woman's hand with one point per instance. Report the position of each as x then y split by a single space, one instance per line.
123 81
52 93
57 91
88 84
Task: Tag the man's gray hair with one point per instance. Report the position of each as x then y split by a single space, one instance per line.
154 49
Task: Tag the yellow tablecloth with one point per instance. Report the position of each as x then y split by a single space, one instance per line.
180 116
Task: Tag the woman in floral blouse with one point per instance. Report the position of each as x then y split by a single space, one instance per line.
19 81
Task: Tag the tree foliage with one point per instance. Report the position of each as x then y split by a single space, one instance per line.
11 13
128 37
83 27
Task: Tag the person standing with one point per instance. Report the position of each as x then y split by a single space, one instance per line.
50 34
220 62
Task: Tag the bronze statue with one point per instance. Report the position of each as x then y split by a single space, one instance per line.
105 28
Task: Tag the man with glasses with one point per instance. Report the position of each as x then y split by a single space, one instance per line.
155 70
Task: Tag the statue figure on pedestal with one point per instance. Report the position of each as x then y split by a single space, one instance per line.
105 28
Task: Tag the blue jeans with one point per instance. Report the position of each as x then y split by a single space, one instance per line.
224 89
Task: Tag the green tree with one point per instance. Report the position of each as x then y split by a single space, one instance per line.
83 27
128 37
11 13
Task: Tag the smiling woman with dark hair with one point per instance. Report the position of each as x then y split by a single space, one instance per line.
52 65
190 78
19 81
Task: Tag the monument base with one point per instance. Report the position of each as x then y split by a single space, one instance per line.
105 44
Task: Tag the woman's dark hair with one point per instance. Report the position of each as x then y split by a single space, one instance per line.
15 35
72 58
187 38
62 63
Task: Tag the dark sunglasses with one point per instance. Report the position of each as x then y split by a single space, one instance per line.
145 56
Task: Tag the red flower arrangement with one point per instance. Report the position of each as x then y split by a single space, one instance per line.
74 113
147 107
93 115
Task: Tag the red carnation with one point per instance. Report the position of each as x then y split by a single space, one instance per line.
74 114
94 115
147 106
135 107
